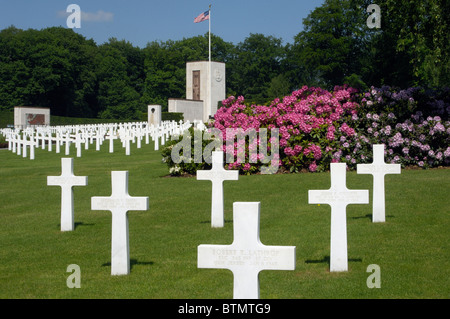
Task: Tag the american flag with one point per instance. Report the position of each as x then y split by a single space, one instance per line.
202 17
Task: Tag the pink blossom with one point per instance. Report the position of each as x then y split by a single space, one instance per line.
313 167
289 151
347 129
297 149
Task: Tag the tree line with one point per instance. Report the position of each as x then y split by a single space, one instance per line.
58 68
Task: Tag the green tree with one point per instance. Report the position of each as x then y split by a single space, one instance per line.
336 46
164 75
117 98
416 40
332 46
51 68
279 87
134 62
13 70
254 64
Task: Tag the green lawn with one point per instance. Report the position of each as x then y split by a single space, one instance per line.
412 248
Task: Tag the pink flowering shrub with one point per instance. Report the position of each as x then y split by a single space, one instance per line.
310 123
318 127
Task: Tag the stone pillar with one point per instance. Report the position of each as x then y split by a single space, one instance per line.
207 84
154 115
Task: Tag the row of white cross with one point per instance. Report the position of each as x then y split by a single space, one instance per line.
20 141
246 256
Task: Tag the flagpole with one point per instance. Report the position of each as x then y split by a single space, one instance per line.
209 33
209 65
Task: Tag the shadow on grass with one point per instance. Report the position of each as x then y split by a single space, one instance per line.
326 260
209 222
369 216
76 224
132 263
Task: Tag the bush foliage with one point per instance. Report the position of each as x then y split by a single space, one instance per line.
318 127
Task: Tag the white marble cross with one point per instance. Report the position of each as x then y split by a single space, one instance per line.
86 137
67 180
67 140
217 175
58 142
378 169
50 141
13 141
338 197
246 256
111 137
32 145
42 135
119 203
126 140
26 143
19 145
156 139
78 141
138 135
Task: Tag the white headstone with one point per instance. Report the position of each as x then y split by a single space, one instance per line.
58 142
50 141
111 137
98 141
246 256
78 141
24 146
338 197
156 138
67 180
19 145
86 136
217 175
13 142
67 141
119 203
378 169
32 145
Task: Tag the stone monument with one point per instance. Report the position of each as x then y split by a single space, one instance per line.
205 88
30 116
154 115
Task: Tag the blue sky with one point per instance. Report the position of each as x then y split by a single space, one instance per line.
143 21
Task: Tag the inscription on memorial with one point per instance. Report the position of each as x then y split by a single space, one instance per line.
35 119
247 257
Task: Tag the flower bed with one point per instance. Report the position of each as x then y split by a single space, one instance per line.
317 127
412 124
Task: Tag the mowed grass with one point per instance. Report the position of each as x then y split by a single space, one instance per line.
411 248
